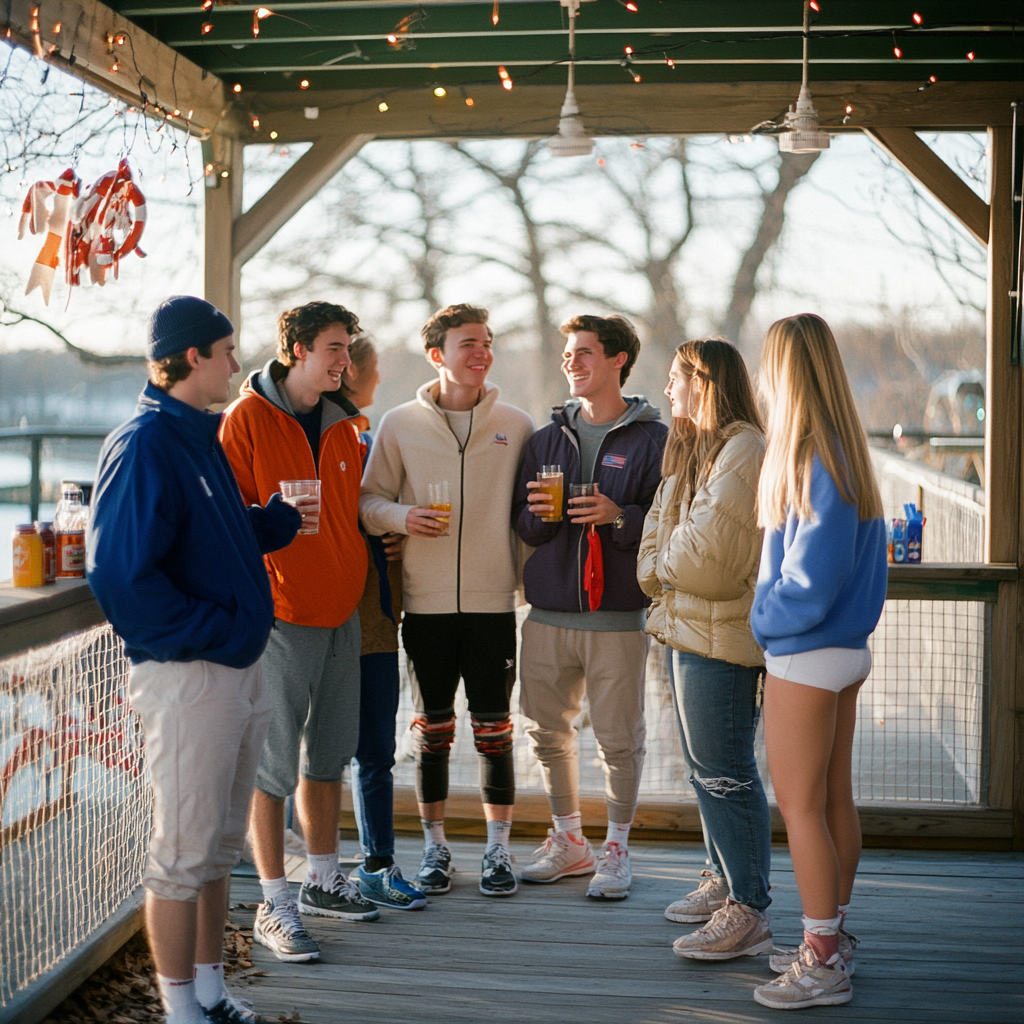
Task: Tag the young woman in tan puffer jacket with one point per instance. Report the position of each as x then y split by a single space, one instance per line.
698 563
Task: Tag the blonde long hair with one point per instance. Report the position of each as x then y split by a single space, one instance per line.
726 397
810 411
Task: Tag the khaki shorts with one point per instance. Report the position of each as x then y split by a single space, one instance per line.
205 725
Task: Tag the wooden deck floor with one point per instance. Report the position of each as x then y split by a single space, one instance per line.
942 940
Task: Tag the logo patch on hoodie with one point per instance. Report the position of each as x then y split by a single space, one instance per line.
500 439
615 461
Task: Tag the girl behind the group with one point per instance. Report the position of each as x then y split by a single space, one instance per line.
820 593
698 562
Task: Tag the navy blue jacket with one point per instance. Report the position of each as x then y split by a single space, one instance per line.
174 557
628 470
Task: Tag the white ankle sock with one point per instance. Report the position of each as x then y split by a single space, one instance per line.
571 823
497 832
322 867
274 888
618 833
433 831
210 988
179 998
822 926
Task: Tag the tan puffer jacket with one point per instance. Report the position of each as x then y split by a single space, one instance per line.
700 573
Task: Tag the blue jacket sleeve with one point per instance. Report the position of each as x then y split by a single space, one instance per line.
530 528
816 562
275 524
133 531
632 531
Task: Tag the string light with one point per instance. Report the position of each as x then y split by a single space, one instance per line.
237 87
304 84
928 83
636 78
815 6
255 121
115 67
630 6
917 18
392 39
897 52
669 61
627 49
176 112
207 4
257 16
120 38
469 101
273 135
506 80
494 14
56 29
382 107
440 92
971 55
188 116
207 27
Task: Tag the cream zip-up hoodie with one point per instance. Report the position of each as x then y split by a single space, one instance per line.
473 569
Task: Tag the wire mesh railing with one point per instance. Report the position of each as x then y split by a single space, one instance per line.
75 800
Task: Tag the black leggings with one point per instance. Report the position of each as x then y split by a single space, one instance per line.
479 648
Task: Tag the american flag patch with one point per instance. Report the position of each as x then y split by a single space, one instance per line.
500 439
615 461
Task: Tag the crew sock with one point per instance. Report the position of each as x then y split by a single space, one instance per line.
498 832
570 823
618 834
322 868
210 988
179 998
433 832
372 864
274 888
822 935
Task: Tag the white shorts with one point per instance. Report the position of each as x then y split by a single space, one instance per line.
828 668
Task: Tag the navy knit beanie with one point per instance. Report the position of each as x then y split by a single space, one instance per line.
183 322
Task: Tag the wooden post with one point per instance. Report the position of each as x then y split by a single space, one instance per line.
222 273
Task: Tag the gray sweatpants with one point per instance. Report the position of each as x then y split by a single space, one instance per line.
312 676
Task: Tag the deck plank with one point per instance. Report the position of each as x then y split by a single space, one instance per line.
549 954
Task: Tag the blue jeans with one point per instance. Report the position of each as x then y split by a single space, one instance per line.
716 703
372 783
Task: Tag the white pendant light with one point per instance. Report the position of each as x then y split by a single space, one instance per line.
804 134
572 138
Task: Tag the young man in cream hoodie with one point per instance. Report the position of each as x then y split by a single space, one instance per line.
459 575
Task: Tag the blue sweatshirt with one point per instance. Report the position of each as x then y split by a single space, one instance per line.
174 557
822 581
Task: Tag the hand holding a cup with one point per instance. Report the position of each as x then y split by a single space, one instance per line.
305 496
591 507
433 520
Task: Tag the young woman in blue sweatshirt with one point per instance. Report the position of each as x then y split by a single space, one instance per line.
819 595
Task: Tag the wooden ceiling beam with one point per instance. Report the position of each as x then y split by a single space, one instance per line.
922 163
149 73
300 183
627 110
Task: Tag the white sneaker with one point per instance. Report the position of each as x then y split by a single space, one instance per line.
700 904
782 959
734 930
808 982
613 876
560 856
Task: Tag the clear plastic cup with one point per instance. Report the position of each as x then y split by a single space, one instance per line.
580 491
305 496
440 501
551 482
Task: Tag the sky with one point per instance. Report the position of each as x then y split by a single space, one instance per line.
850 250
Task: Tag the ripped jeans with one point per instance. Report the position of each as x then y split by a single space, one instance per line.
716 703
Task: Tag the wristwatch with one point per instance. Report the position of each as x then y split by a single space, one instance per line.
619 521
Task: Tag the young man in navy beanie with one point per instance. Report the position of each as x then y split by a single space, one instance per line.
175 561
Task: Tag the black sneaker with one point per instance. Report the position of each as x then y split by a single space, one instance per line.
234 1011
341 898
435 873
496 878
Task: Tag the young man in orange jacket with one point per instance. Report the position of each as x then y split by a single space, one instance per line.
285 426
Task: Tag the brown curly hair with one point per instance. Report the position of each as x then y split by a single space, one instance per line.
302 325
437 327
616 335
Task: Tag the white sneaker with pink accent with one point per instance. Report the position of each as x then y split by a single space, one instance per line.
560 856
613 876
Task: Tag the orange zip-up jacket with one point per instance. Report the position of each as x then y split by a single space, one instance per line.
319 578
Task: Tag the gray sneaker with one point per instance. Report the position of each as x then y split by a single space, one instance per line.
339 898
435 873
279 928
734 930
782 959
808 982
700 904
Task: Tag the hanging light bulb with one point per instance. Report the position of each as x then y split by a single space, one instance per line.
236 88
207 28
572 139
304 84
917 18
506 79
971 55
805 134
897 52
494 14
669 61
440 92
382 107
